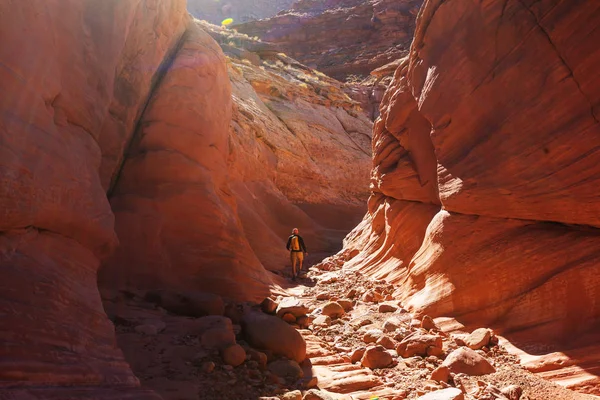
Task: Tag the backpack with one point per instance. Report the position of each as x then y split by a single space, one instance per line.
295 245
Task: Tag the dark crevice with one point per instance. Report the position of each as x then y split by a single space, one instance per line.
155 83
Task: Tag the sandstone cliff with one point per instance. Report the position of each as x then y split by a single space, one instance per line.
117 146
484 203
341 37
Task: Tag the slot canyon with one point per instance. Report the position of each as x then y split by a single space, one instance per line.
437 156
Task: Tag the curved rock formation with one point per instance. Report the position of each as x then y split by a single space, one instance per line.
484 202
115 122
72 87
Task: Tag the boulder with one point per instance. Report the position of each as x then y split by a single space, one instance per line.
376 357
346 304
333 310
285 368
191 304
440 374
469 362
478 338
427 323
233 355
372 335
417 344
314 394
512 392
387 308
217 338
444 394
322 320
357 354
292 306
293 395
386 342
267 332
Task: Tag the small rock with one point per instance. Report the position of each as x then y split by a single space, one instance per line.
376 357
233 355
372 335
147 329
322 320
387 308
268 306
286 368
303 322
294 395
289 318
386 342
314 394
478 338
418 344
372 297
293 306
428 324
258 356
444 394
512 392
207 366
357 354
333 310
323 296
391 325
351 294
467 361
346 304
440 374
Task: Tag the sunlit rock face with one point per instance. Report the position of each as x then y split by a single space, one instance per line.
484 203
341 37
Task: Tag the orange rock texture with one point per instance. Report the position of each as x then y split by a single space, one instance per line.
341 37
117 148
75 76
485 204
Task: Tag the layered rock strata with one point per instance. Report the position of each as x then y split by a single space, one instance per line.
341 37
484 203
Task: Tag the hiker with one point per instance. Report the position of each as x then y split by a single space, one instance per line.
295 245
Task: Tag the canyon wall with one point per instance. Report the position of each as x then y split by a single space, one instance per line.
341 37
118 148
75 76
485 204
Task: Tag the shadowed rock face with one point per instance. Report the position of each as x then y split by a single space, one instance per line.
484 202
75 76
341 37
117 148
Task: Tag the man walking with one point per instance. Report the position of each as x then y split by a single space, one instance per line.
297 249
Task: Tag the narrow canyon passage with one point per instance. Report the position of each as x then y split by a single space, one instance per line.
440 159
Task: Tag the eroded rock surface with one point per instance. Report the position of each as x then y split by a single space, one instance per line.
484 202
341 37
